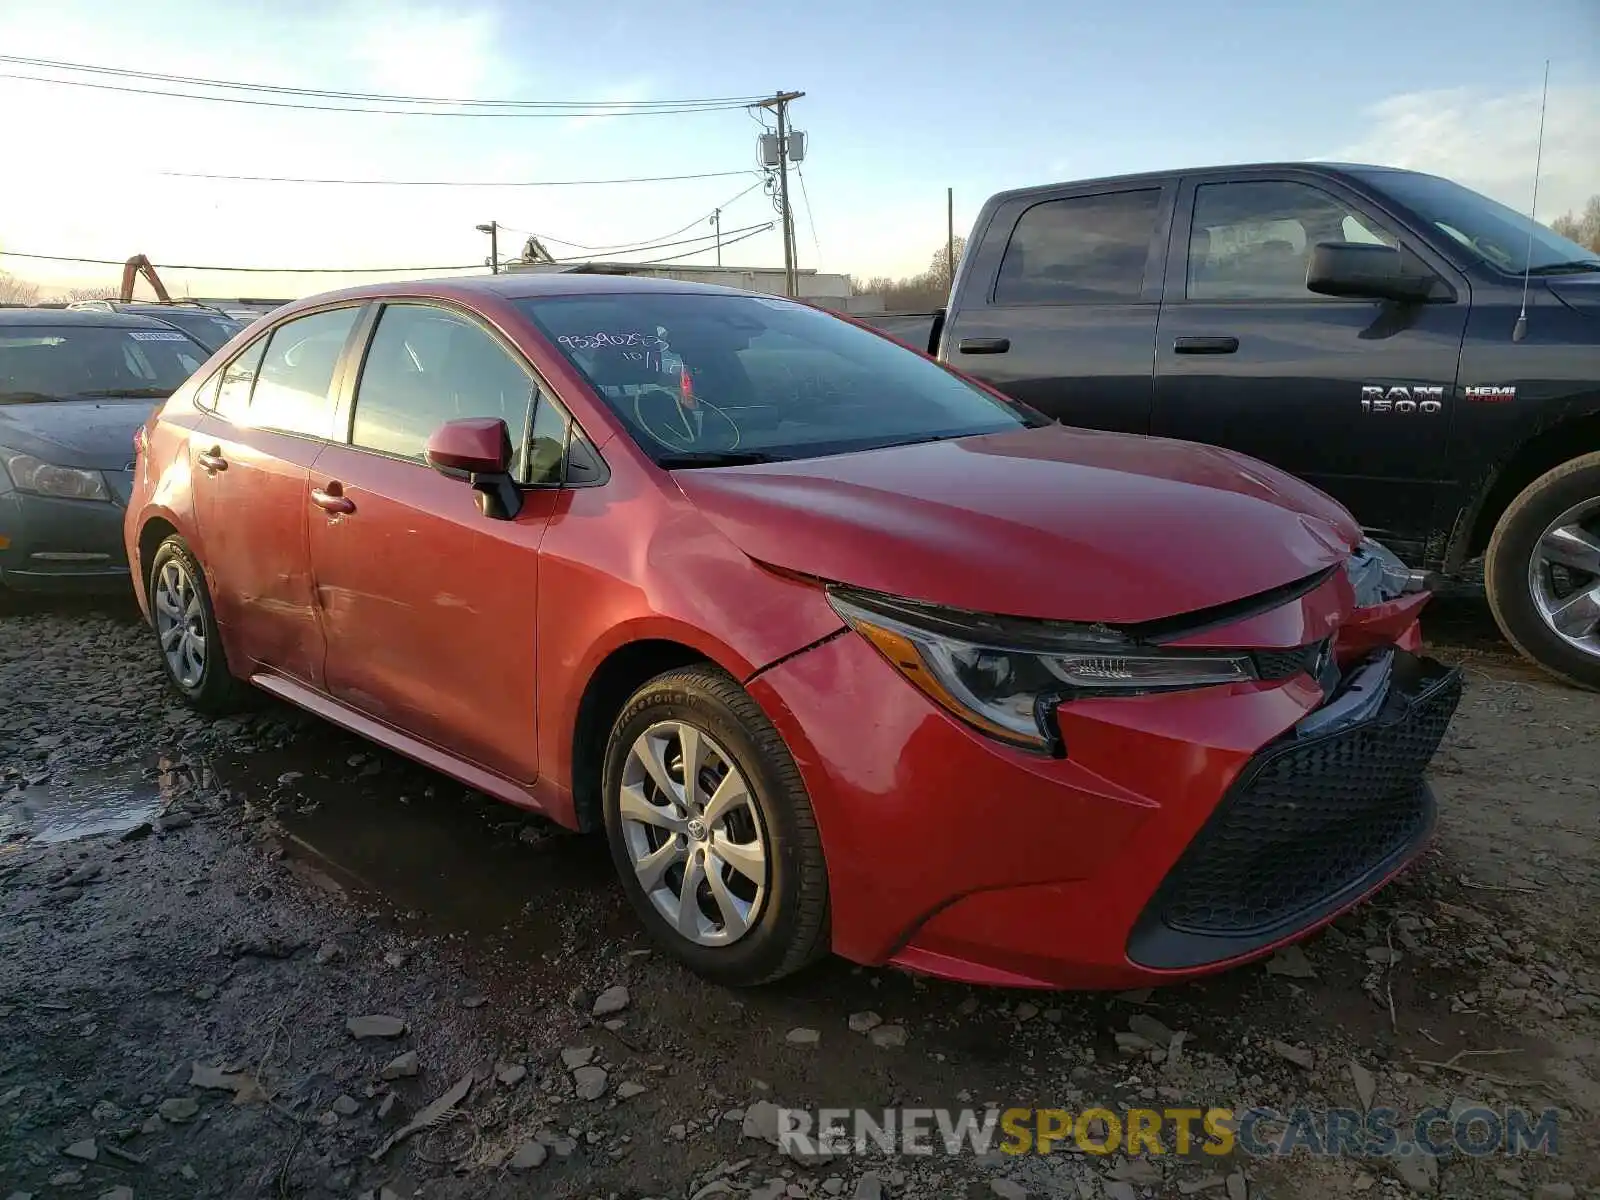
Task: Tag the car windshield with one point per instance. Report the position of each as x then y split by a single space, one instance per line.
74 362
211 329
709 380
1494 233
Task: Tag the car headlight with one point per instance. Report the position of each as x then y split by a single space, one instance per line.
30 474
1004 675
1376 574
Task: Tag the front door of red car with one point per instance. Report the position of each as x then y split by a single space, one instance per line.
428 606
250 460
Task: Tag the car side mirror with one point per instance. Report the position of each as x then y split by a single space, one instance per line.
480 449
1359 271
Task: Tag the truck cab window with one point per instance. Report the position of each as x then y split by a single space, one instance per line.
1252 241
1080 250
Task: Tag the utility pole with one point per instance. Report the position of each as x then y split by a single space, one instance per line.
493 230
716 225
950 234
780 104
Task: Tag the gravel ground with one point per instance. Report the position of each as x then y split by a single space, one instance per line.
197 919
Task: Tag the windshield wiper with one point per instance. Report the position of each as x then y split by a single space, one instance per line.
1563 268
144 393
28 398
714 458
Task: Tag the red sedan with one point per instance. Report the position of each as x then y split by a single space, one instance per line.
843 651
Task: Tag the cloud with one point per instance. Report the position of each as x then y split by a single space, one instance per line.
1487 141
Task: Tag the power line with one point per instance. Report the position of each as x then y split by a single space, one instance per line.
456 182
691 107
378 97
651 242
811 219
691 253
117 262
705 237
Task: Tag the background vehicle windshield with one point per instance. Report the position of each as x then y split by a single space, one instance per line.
1496 234
212 330
75 362
744 375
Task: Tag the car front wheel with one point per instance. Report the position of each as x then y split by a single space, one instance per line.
712 831
186 630
1543 571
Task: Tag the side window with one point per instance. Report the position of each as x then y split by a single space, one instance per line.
1252 241
1082 250
291 394
205 396
427 366
238 378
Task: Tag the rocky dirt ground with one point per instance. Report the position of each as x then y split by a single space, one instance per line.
260 958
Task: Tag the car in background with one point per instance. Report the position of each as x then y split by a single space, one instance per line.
74 388
841 650
211 327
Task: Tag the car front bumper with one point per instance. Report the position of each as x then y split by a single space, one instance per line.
1180 834
61 546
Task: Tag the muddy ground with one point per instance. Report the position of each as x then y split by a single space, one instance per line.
191 914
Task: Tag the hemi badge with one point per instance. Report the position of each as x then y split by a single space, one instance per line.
1491 394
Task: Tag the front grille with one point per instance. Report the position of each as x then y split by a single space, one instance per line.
1274 665
1309 823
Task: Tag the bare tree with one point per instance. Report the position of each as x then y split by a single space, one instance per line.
17 291
928 290
104 292
1582 228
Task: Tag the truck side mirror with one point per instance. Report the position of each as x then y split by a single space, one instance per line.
1364 272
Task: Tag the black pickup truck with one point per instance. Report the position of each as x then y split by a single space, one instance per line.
1359 326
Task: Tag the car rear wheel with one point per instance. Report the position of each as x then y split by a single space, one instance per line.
186 631
712 831
1543 571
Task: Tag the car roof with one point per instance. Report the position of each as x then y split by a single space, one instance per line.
70 316
1159 177
519 285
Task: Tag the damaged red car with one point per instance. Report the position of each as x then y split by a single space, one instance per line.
842 651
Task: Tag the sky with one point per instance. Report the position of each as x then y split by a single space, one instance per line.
903 98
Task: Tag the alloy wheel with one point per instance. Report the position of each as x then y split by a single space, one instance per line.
693 834
1564 576
180 623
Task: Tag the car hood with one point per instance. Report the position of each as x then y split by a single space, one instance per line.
75 433
1051 523
1579 292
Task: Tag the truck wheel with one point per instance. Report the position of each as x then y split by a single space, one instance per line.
1543 571
712 832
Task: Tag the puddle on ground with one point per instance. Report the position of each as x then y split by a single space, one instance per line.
428 847
83 805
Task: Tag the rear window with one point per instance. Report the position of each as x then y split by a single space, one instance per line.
211 330
697 373
75 362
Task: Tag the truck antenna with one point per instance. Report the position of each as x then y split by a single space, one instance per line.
1520 330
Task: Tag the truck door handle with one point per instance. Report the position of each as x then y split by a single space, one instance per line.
332 499
212 461
1205 345
983 345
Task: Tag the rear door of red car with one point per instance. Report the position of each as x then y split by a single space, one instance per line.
427 605
251 456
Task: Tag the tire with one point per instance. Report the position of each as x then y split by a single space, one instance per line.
212 690
784 918
1565 497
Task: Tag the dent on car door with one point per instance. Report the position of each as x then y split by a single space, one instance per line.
251 456
430 606
1069 321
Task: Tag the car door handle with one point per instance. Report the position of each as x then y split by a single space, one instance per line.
212 461
983 345
332 499
1205 345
